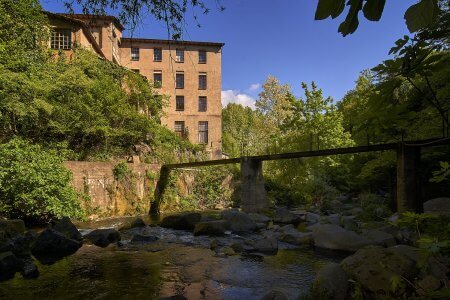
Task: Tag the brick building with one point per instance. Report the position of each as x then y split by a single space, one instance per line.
186 71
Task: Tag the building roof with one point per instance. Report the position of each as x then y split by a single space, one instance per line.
175 42
83 27
96 17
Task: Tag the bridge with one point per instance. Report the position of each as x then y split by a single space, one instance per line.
253 194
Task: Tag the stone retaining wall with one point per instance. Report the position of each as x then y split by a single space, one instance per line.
109 197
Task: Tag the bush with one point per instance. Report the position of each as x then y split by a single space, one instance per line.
34 184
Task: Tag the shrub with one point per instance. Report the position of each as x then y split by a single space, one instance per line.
34 184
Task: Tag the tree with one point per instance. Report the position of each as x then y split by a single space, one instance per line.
417 16
171 12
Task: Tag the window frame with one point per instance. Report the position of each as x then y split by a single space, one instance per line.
202 138
133 56
59 42
179 107
157 83
200 61
181 86
202 103
181 133
154 54
181 60
200 86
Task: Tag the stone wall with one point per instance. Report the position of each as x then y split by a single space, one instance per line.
108 196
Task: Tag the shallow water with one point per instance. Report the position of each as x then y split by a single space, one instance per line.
178 263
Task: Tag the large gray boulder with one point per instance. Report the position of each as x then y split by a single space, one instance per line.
380 238
331 283
9 265
52 246
437 206
289 234
103 237
184 221
211 228
334 237
239 221
131 223
266 245
68 229
374 268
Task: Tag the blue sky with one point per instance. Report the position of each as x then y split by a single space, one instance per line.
281 38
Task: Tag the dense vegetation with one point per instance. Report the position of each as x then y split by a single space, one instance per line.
79 107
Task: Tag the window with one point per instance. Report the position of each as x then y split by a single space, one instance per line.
157 54
202 103
135 54
179 128
179 80
136 70
201 57
179 105
202 81
180 55
61 39
203 132
157 79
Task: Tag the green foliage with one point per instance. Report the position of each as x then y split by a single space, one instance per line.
34 185
121 170
443 173
417 16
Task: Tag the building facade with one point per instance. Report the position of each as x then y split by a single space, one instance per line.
186 71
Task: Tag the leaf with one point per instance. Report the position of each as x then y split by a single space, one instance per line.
421 15
327 8
351 21
373 9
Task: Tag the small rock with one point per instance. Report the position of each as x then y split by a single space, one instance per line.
334 219
274 295
143 239
211 228
228 251
437 206
259 218
52 246
184 221
331 283
29 270
9 265
237 247
103 237
312 218
68 229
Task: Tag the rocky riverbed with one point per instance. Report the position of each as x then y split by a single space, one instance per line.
220 255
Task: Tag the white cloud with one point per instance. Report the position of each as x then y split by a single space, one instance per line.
231 96
254 87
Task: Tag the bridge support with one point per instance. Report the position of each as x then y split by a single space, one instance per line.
409 197
253 192
159 190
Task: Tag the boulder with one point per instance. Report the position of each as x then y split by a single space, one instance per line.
266 246
274 295
331 283
143 239
239 221
184 221
132 223
9 265
11 228
259 218
374 268
21 244
380 238
285 216
66 227
349 222
437 206
312 218
289 234
333 237
52 246
211 228
103 237
334 219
